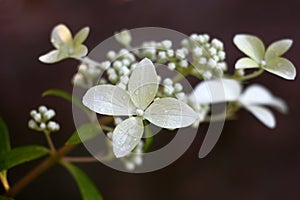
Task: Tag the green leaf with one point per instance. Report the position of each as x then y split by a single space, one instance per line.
86 132
87 188
4 138
65 95
149 138
21 155
5 198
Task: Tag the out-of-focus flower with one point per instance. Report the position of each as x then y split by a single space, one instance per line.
270 59
66 46
254 98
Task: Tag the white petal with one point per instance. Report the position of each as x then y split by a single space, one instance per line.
245 63
281 67
217 90
259 95
170 113
61 36
127 135
250 45
143 84
278 48
80 51
51 57
108 100
263 114
81 36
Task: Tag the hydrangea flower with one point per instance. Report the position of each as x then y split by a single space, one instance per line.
270 59
138 103
254 98
66 46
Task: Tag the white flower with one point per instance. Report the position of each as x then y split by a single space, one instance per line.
66 46
269 59
124 38
254 98
137 103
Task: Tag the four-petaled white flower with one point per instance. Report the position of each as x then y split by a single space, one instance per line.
270 59
254 98
66 46
138 103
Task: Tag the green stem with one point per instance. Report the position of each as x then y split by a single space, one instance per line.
38 170
50 142
251 76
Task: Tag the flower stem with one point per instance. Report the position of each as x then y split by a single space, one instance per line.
38 170
251 76
50 142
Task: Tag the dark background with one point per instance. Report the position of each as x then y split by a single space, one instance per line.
249 162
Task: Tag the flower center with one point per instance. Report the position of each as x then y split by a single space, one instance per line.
139 112
263 63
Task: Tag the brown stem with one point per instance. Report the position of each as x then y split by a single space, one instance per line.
38 170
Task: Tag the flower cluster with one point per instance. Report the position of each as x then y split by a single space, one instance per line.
41 120
131 88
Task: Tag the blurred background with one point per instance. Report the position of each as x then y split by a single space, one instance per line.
249 162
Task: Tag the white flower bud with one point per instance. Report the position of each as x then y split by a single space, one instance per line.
105 65
37 117
184 63
170 52
117 64
124 71
194 37
168 89
133 66
53 126
78 80
180 53
129 165
113 77
43 126
82 68
158 79
202 60
43 109
111 55
212 63
207 75
49 114
222 55
162 55
168 81
178 87
212 51
171 66
138 160
33 113
167 44
32 124
217 44
185 43
126 62
197 51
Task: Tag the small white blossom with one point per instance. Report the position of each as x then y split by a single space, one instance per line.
66 46
270 59
142 88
